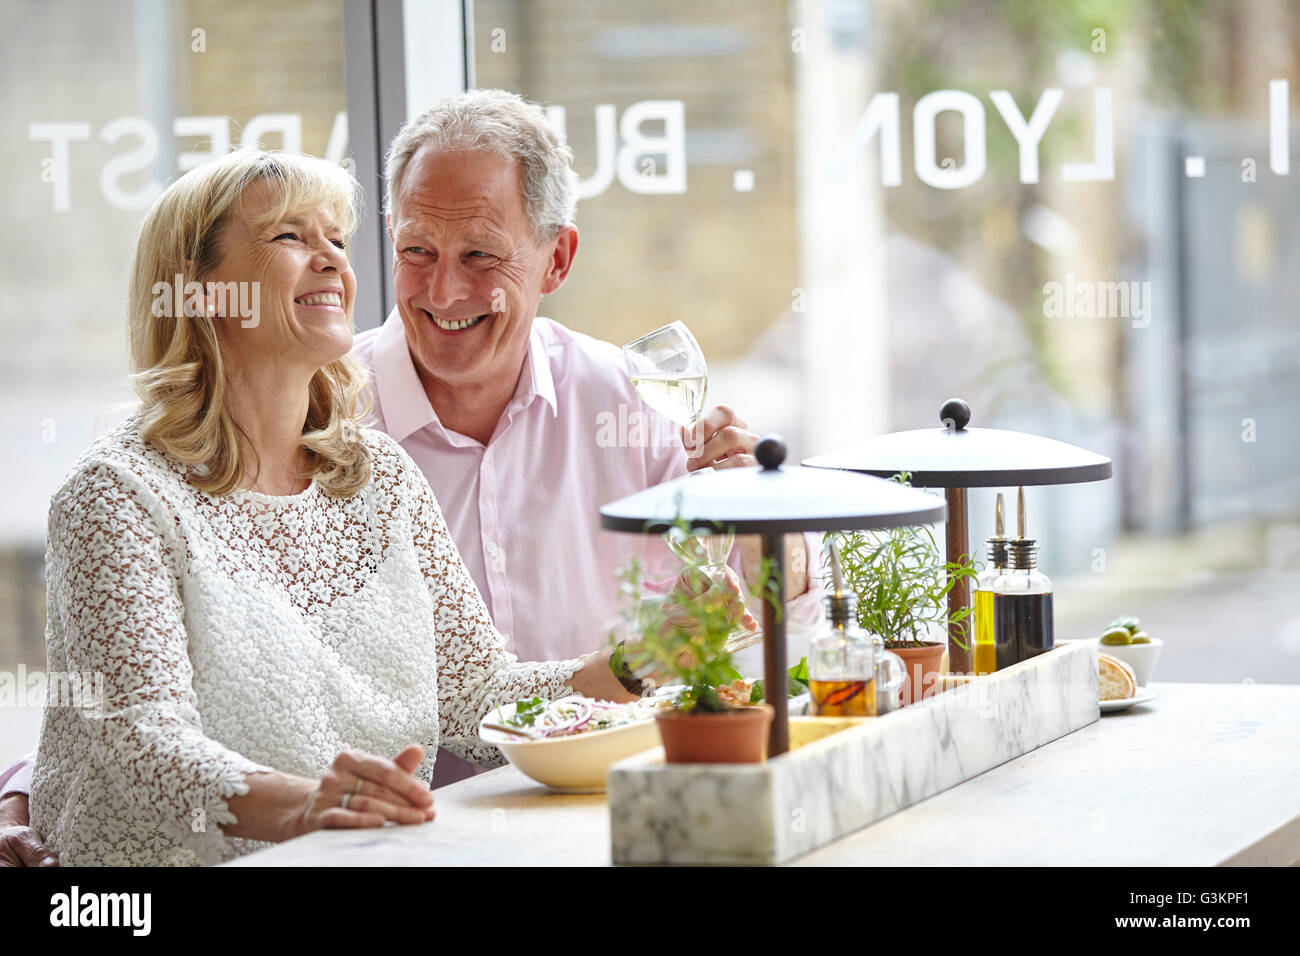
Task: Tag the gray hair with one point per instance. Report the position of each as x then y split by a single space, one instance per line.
503 123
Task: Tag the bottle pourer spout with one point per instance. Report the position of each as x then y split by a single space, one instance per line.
837 575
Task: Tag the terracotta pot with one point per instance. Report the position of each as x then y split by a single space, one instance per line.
923 669
734 736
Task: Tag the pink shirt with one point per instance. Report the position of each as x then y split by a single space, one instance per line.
17 777
524 508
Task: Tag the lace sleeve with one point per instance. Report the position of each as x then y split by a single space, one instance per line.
116 615
475 671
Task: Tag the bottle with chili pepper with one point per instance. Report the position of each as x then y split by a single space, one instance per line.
841 658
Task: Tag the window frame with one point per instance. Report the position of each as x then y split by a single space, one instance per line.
386 85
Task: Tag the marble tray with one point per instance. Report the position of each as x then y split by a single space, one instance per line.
844 774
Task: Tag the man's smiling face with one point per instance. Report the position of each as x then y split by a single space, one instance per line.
467 272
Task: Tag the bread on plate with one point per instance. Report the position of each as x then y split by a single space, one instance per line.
1115 678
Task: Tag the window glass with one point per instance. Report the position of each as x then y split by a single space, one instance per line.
106 101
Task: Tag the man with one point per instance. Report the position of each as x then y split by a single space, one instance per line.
500 409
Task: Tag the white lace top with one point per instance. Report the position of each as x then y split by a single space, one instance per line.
198 639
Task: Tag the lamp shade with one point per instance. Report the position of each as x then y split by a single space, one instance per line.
771 499
954 456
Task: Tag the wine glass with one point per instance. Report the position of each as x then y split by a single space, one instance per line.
709 552
668 370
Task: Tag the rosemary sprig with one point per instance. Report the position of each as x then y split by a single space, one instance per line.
901 581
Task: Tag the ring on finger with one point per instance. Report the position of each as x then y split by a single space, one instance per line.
357 788
347 797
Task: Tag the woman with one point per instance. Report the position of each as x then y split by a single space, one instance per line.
266 591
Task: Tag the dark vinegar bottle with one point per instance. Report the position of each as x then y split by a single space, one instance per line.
1022 602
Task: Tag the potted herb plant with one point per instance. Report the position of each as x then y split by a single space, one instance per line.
902 584
683 635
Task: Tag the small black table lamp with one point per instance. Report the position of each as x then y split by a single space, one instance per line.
954 457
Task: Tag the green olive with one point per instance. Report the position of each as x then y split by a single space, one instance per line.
1141 638
1116 635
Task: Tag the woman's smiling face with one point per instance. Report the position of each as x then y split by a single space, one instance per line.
297 277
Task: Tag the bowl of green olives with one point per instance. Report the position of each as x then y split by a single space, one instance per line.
1124 639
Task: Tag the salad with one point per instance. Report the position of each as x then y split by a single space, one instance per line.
796 684
569 716
742 693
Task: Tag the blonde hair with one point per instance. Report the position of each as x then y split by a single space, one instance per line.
176 363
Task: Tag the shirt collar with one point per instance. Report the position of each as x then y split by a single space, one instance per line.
402 399
542 380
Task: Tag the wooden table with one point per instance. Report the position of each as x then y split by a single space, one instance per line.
1204 774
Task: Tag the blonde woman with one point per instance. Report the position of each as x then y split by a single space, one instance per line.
282 630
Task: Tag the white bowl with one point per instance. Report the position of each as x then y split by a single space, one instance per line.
575 764
1140 657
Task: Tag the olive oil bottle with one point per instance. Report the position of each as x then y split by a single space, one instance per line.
985 648
1022 601
841 658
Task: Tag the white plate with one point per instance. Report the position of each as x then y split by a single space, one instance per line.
1109 706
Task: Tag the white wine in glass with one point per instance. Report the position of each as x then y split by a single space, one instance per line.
668 370
678 398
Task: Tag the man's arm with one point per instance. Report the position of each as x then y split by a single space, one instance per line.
20 845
